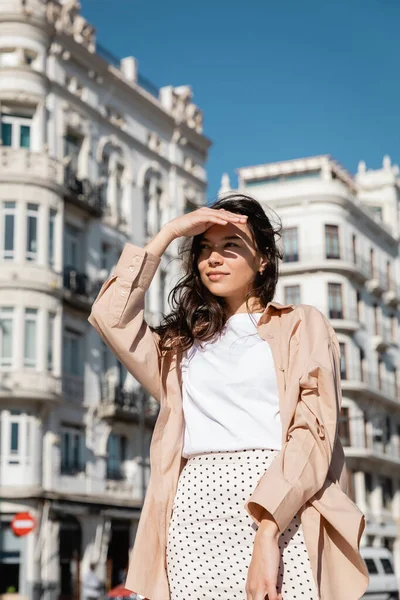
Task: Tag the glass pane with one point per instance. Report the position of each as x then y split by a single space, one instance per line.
65 449
52 220
6 134
50 342
9 223
31 242
6 341
387 566
25 136
14 438
30 342
76 448
74 356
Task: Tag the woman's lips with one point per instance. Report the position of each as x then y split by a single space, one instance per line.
217 277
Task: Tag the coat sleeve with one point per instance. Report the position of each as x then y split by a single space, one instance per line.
118 316
300 468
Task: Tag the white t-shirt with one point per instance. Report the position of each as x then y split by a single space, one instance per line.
230 393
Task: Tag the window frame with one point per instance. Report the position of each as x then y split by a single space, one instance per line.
7 310
16 122
335 313
332 242
8 211
290 239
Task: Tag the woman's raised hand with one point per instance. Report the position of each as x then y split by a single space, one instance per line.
199 220
190 224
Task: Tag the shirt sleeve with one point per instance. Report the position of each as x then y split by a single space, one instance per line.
118 316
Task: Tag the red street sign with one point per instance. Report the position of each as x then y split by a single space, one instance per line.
22 524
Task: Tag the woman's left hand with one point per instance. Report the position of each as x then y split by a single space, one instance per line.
262 575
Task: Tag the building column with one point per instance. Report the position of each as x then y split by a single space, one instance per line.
359 490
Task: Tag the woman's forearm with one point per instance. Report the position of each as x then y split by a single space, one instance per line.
161 241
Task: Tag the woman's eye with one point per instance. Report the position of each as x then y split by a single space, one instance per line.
232 244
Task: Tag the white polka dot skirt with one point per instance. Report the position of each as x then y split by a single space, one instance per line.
211 535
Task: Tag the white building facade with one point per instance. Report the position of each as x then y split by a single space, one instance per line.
91 156
341 254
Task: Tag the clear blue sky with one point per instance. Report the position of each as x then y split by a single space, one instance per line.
276 79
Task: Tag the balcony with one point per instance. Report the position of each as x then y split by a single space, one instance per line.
30 384
131 406
83 193
377 283
392 295
370 384
20 164
382 339
316 258
78 291
345 320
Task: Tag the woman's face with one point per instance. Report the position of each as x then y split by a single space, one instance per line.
229 251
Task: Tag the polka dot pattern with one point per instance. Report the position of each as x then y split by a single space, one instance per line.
211 535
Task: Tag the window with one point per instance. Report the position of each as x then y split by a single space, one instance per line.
362 361
292 294
31 231
72 149
343 369
388 274
290 245
73 353
119 189
332 248
376 319
387 492
335 302
6 336
116 448
354 248
146 206
344 426
369 486
72 450
105 256
30 337
15 131
372 262
50 342
72 247
371 566
387 566
358 305
163 290
8 230
10 558
52 227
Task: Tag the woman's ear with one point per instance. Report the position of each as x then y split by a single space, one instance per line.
263 264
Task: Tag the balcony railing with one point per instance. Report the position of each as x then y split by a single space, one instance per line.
345 257
126 404
371 381
73 388
83 193
71 468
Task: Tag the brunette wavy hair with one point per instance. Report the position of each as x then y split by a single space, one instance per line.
196 312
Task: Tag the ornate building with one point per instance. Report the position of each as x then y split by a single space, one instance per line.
92 155
341 253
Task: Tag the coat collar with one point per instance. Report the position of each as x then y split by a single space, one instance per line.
266 312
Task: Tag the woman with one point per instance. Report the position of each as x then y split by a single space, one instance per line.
246 498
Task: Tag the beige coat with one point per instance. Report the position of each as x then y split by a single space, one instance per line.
308 475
